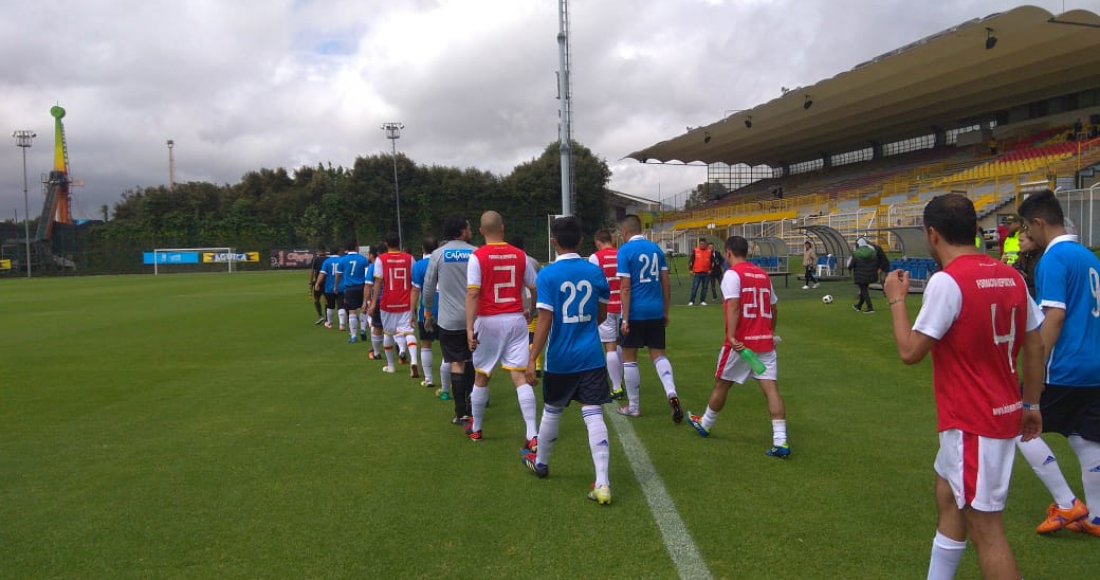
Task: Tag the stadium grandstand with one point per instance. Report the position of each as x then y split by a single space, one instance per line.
993 108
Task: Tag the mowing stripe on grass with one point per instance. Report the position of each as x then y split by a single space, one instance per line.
685 555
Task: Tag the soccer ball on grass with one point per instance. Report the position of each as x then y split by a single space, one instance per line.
827 299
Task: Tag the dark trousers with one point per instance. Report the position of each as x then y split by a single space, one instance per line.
462 386
695 282
864 296
715 283
809 277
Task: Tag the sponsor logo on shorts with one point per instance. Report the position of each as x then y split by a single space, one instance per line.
1050 459
457 255
1095 469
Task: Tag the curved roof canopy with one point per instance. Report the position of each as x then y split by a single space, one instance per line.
937 81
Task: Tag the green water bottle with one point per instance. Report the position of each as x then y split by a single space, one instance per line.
753 361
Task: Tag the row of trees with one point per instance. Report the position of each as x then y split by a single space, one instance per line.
325 206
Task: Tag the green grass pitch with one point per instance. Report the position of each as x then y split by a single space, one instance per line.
199 426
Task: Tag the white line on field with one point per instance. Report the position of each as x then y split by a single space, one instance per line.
685 555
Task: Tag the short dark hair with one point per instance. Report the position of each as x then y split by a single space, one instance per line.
737 246
1043 205
351 246
392 241
953 217
567 232
334 251
429 244
517 241
453 226
631 222
602 236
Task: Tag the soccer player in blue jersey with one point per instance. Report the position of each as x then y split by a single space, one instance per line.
326 282
428 333
353 276
645 298
572 302
1067 288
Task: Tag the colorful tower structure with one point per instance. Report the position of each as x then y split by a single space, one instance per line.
60 174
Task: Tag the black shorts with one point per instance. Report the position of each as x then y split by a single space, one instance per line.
353 298
645 333
376 318
1072 411
454 345
330 300
424 334
317 294
587 388
339 300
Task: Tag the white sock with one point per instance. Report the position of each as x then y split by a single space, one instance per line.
528 406
548 433
1088 452
597 441
946 556
615 369
363 322
410 342
779 432
478 398
387 343
353 327
445 376
1041 459
709 418
343 315
426 364
664 371
329 312
376 344
633 379
402 347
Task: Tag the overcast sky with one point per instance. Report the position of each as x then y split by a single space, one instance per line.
245 84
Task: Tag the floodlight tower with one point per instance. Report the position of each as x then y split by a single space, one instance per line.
171 166
565 110
393 133
23 140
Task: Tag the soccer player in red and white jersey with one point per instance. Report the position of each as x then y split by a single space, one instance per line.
394 269
496 323
606 258
975 318
749 304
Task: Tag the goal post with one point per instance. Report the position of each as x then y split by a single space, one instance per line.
161 257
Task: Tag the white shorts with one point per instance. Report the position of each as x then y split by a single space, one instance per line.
731 367
396 322
501 339
977 468
609 328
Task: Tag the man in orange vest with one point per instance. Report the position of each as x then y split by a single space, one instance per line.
699 262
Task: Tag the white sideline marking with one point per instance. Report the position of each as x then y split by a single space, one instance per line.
685 555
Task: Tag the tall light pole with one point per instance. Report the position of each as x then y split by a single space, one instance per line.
23 140
171 166
393 133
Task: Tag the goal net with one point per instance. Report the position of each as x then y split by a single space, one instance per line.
208 259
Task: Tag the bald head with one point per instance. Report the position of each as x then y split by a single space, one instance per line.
492 226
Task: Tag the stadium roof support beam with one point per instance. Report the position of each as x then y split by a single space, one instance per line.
940 80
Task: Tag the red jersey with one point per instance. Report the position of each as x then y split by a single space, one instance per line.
607 260
500 271
978 313
395 270
751 285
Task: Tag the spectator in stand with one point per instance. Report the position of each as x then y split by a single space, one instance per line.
864 265
717 270
809 262
699 263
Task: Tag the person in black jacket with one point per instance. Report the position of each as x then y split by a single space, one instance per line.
865 267
717 270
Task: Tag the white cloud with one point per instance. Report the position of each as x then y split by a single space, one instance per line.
259 83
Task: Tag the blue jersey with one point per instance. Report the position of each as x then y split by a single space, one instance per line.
330 267
572 288
643 262
420 270
1068 277
354 267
